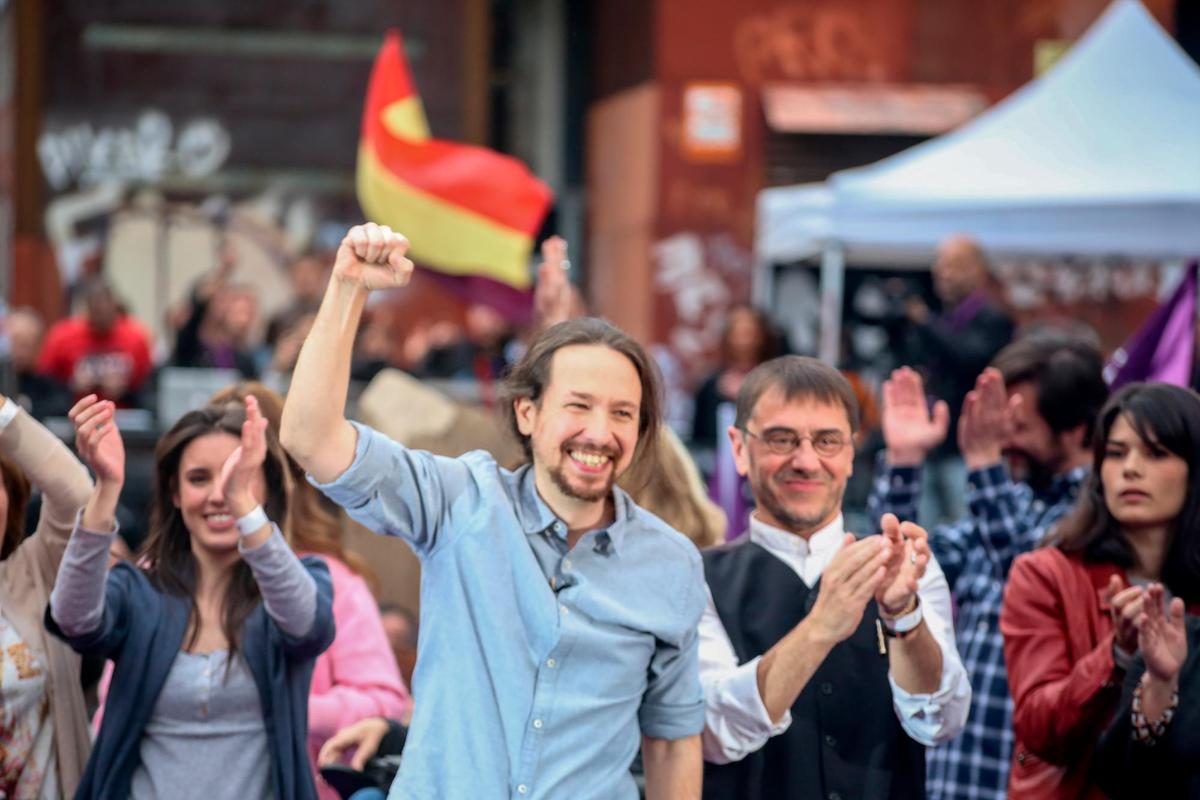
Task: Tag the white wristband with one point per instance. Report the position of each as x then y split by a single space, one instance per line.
906 623
254 520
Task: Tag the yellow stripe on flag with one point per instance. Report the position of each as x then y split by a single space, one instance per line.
405 119
456 235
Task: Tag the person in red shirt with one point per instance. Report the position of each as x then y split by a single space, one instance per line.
103 351
1071 608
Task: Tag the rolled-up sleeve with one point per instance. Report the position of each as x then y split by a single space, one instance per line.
736 722
673 704
938 717
399 491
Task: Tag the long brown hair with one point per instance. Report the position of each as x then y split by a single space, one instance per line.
309 527
669 486
16 485
167 553
531 375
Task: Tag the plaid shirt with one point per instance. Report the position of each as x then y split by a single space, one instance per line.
1005 519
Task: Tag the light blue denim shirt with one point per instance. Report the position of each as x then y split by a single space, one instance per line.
539 666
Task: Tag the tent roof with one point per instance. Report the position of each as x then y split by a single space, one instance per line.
1097 156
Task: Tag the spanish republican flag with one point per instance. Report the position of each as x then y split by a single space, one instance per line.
466 210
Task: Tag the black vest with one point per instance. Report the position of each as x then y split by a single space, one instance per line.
844 741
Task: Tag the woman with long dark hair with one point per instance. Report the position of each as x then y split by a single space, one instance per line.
357 677
747 340
1072 608
43 718
215 635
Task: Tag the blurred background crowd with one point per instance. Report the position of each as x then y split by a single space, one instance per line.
733 181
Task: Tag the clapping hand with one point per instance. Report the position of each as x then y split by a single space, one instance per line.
986 420
853 576
910 428
910 555
243 468
1161 635
1127 604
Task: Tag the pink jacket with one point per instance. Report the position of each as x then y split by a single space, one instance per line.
357 676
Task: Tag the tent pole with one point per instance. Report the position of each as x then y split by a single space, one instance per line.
833 287
762 285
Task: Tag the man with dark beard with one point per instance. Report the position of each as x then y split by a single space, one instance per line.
1034 408
558 620
828 662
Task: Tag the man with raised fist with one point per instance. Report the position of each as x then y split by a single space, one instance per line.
558 619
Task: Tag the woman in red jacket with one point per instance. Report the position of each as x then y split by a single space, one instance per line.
1071 607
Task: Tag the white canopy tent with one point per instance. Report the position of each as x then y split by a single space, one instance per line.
1098 157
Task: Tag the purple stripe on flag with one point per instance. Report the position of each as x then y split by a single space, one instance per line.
515 305
1164 347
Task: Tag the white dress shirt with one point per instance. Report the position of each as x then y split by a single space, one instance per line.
736 721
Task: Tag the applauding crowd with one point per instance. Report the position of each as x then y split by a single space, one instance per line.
573 639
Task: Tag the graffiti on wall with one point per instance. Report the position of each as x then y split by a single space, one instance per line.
694 274
798 42
145 151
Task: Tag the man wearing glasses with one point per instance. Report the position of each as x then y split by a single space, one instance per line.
828 660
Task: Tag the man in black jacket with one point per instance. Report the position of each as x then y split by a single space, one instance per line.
828 661
951 349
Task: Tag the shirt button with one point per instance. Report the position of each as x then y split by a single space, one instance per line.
522 789
830 740
551 663
566 563
537 723
826 688
564 610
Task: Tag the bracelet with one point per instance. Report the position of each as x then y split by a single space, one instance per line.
1145 731
252 521
905 624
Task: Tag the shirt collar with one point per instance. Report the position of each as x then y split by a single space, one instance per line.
778 540
1067 484
536 517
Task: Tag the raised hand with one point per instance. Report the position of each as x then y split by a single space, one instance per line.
242 469
1126 605
910 429
373 257
847 585
97 439
910 555
986 420
1162 637
553 297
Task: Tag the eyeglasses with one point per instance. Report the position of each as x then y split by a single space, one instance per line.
785 442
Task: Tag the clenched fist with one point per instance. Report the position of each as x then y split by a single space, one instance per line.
373 257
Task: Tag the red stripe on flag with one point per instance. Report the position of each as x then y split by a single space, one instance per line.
481 180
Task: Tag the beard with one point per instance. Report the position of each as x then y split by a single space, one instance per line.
770 500
1035 472
589 493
